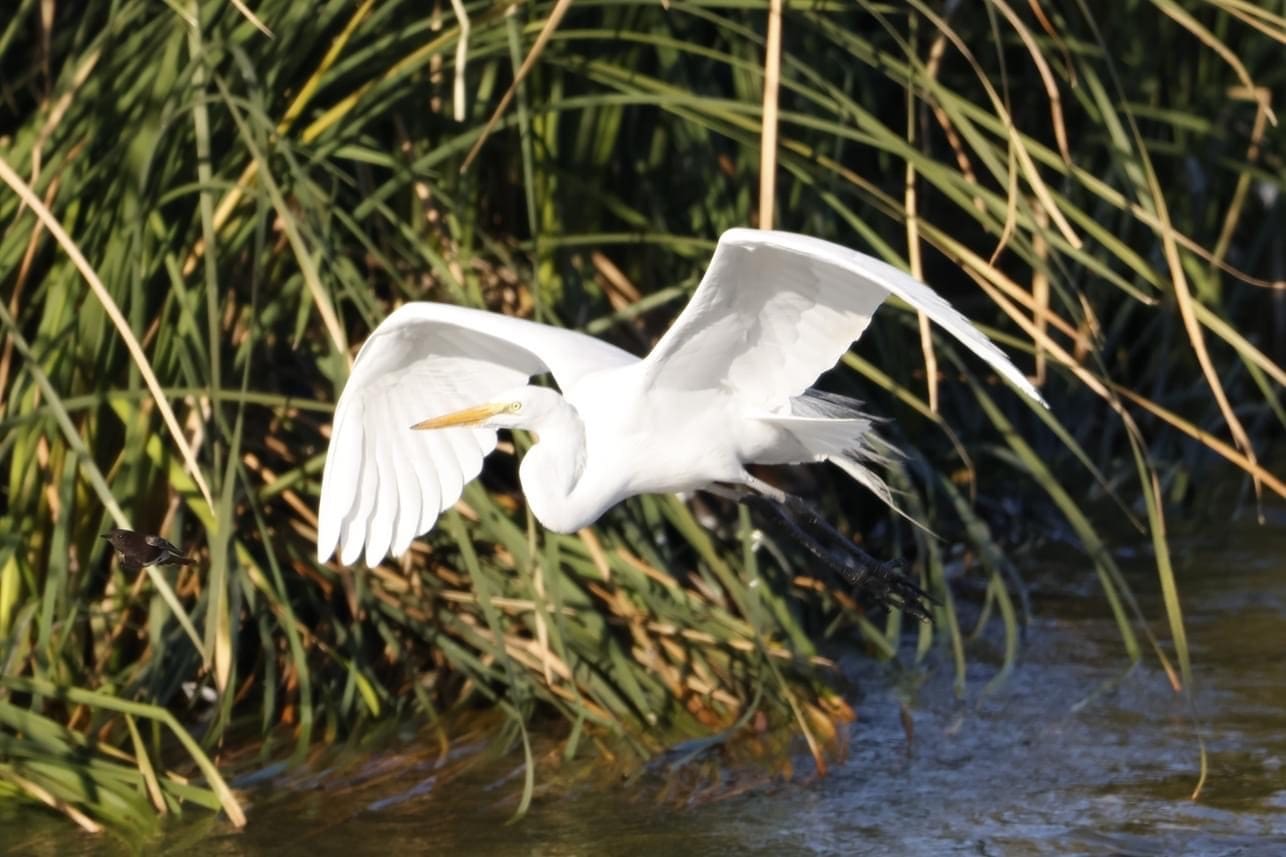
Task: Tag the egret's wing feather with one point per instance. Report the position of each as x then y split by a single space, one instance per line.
379 529
426 491
404 452
776 309
384 483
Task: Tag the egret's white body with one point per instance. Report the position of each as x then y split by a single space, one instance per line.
727 386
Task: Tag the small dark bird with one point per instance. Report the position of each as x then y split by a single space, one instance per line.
139 549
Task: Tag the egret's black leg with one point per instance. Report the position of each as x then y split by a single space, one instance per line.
885 582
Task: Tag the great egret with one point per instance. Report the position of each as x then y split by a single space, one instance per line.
727 386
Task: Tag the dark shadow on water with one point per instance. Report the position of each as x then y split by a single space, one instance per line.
1076 753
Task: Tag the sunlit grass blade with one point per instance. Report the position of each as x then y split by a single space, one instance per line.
20 187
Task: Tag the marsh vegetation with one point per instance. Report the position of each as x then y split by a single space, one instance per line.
201 220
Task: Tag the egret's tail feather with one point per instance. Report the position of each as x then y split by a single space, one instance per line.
852 465
830 427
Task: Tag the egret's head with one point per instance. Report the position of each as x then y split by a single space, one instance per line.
523 408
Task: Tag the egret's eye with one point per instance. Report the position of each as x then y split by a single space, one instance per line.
515 407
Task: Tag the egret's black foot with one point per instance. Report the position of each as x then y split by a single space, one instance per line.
886 583
883 582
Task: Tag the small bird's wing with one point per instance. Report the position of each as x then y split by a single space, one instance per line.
161 544
384 484
775 310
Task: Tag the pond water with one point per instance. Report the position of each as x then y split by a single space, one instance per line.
1075 753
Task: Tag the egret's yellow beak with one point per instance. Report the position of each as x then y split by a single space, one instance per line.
467 417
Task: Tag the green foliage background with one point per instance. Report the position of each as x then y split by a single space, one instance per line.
1102 185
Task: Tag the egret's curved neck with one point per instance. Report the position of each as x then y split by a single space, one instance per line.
552 469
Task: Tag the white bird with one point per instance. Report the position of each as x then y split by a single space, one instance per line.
727 386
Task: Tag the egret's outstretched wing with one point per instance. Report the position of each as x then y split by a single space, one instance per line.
384 483
776 309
